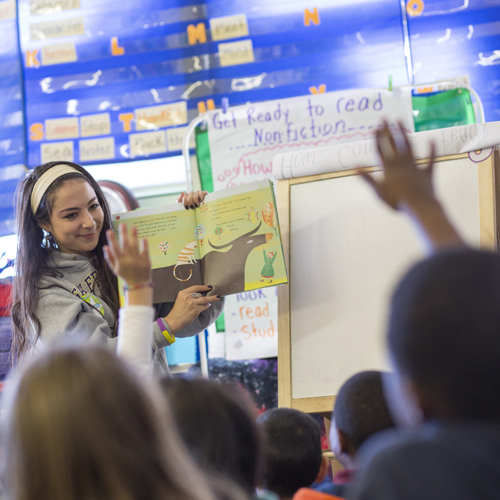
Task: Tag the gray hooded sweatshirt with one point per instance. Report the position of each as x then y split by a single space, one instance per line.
71 304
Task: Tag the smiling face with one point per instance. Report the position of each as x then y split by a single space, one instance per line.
76 219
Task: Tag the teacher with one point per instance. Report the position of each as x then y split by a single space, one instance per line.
63 286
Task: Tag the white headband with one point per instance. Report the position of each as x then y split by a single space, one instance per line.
42 184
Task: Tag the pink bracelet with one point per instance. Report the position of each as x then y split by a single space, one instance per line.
150 284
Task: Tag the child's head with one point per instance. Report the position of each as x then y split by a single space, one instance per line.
217 425
360 411
44 223
291 451
444 335
81 425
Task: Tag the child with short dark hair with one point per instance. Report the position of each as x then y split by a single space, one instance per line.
292 454
217 425
360 412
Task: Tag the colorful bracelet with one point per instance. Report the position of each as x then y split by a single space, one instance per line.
149 284
163 328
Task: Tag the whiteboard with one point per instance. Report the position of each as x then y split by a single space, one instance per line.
347 251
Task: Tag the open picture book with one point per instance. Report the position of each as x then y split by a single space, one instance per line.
232 242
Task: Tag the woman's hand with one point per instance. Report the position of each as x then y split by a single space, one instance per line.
404 184
192 199
187 308
126 259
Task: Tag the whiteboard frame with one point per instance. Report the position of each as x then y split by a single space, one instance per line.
488 240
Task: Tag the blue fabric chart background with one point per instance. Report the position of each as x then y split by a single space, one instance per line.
77 75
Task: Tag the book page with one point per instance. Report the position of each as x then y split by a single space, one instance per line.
240 242
173 247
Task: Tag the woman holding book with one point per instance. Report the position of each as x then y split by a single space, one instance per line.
63 285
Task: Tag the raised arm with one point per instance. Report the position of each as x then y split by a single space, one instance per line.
409 188
135 328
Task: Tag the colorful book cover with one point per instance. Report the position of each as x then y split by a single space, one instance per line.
232 242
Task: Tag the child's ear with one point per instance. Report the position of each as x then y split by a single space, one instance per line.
323 469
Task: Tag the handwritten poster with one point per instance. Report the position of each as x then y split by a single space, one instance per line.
244 140
478 139
252 325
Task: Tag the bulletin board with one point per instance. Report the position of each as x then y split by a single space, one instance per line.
107 82
345 252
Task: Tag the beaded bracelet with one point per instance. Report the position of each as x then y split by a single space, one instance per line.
128 288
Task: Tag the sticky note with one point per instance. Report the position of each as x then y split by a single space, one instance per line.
97 149
175 138
56 29
41 7
8 10
236 53
147 143
99 124
61 128
224 28
59 53
57 151
165 115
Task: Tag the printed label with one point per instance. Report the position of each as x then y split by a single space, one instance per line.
97 149
175 139
57 29
41 7
8 10
223 28
147 143
236 53
165 115
58 54
57 151
61 128
99 124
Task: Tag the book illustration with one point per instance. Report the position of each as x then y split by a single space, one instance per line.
185 257
164 246
253 215
218 231
200 232
269 216
203 208
267 272
228 267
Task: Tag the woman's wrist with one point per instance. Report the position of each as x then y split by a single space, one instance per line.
172 323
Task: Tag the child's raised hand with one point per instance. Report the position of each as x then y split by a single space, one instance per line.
404 183
192 199
126 259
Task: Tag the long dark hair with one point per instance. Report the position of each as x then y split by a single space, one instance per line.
33 250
